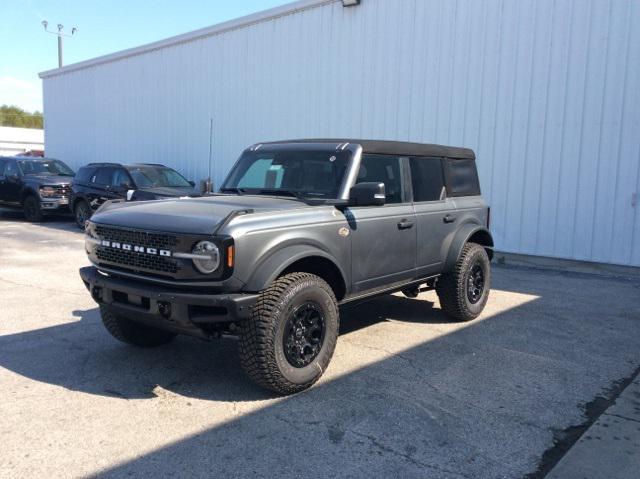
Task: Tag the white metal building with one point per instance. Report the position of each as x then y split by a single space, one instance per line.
546 91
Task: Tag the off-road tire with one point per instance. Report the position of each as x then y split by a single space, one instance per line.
31 208
81 213
134 333
452 287
261 342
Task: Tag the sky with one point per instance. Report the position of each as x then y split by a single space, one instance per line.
104 26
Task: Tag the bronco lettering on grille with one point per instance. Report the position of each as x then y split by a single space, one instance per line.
135 248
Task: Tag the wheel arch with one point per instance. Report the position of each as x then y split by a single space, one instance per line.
468 233
28 191
299 258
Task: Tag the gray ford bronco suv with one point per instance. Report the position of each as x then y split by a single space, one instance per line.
298 229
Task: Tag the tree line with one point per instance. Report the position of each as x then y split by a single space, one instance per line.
15 116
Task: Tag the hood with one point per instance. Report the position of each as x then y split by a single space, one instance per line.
49 179
171 191
186 215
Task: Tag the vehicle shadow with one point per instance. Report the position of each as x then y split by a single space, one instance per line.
481 400
57 221
81 356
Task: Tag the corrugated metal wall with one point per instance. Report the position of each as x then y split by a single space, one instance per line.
547 93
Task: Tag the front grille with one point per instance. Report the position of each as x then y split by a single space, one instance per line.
135 260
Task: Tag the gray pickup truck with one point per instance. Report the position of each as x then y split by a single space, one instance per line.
298 229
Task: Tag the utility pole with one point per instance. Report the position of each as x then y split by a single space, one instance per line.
60 35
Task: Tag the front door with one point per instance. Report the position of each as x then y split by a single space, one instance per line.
383 237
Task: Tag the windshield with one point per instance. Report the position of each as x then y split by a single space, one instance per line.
308 174
157 176
45 167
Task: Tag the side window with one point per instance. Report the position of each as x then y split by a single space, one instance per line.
120 177
384 169
427 179
2 162
11 168
84 175
462 177
104 176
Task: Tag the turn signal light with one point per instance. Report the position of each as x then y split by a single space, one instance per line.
230 252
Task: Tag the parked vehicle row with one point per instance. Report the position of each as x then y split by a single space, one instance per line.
40 186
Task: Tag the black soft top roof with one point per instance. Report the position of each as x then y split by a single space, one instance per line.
384 147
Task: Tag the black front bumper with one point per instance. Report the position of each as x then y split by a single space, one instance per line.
170 309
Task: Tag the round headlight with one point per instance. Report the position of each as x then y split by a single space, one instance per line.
210 257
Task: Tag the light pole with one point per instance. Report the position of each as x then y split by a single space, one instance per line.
59 34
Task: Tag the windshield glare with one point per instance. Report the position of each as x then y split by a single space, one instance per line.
312 174
45 167
157 176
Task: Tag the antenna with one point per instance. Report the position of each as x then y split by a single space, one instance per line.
209 183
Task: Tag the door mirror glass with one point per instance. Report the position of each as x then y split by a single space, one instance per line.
367 194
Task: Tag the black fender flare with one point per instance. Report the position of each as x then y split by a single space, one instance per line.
462 237
271 267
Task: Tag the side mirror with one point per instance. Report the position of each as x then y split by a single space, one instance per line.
367 194
130 194
192 183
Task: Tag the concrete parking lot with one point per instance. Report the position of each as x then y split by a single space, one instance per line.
408 393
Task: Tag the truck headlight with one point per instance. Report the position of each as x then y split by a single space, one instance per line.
47 191
209 257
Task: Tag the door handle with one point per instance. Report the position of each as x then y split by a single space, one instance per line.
405 224
449 218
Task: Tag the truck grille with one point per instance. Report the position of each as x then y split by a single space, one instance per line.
62 191
135 260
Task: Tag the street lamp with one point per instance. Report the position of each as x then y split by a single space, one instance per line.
59 34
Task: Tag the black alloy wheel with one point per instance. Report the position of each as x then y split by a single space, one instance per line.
475 283
303 334
32 211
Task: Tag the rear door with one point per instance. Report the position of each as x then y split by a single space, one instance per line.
435 214
101 187
383 237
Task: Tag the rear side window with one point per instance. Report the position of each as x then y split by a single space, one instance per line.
427 179
462 177
84 174
104 176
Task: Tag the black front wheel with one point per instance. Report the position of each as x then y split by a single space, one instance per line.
32 211
82 213
289 340
464 291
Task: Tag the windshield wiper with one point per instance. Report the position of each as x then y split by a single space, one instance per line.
279 192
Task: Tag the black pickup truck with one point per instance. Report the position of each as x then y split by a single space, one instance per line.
36 185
